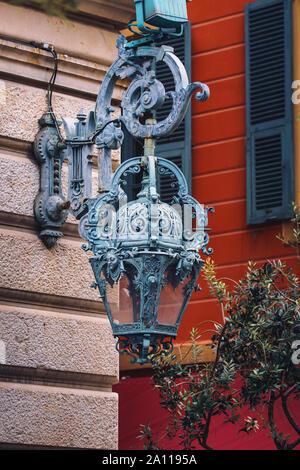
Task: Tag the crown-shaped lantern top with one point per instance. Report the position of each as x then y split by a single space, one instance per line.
147 223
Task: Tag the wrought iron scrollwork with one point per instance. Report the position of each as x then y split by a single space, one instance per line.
145 92
79 154
149 236
147 249
144 95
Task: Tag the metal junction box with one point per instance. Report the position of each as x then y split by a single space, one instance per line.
164 13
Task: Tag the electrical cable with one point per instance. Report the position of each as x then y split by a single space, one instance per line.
48 48
50 91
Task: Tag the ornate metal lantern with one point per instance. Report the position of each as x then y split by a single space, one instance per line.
146 257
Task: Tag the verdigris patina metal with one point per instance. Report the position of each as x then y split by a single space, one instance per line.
165 15
149 252
79 154
144 95
50 206
145 257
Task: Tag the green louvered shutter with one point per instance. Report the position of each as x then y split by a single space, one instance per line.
269 76
177 146
131 148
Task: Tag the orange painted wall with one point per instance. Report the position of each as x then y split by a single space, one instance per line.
219 179
219 152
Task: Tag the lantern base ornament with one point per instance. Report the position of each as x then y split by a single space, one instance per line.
144 350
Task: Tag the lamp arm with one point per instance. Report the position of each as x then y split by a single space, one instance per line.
144 95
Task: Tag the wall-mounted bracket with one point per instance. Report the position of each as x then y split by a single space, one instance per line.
50 206
144 95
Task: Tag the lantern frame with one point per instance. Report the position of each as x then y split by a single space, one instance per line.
159 257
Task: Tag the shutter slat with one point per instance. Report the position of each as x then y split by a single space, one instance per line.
275 60
268 32
266 43
270 89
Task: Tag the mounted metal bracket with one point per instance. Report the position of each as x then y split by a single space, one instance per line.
144 95
50 206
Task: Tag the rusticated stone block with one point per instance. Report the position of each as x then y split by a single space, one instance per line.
20 176
19 184
57 341
26 264
70 37
24 105
59 417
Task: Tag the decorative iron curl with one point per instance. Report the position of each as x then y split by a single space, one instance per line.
144 352
145 92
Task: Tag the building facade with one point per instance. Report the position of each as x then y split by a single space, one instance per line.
61 383
57 355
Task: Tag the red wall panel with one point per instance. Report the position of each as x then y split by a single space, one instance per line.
207 10
220 186
219 179
195 315
233 216
218 34
139 404
219 152
219 63
220 125
217 156
225 93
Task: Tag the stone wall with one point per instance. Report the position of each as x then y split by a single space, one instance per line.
57 354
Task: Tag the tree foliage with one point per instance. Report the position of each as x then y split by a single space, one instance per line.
51 7
253 365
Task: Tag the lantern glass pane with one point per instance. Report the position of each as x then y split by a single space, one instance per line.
124 299
171 302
